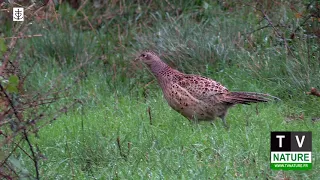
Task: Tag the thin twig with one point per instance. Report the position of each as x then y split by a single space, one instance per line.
34 157
119 146
11 152
260 28
276 30
23 37
302 24
149 113
6 56
81 6
18 116
87 19
55 116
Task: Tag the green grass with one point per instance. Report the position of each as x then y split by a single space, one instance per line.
84 144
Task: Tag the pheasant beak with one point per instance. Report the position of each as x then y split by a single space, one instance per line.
136 59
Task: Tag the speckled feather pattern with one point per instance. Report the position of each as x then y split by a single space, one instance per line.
194 96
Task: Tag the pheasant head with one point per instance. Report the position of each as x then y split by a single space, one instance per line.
153 61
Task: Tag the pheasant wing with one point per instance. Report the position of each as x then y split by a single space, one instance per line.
203 88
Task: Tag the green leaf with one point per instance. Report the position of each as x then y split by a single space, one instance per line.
12 89
3 47
12 86
13 79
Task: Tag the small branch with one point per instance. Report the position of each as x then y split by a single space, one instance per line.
6 56
260 28
129 148
55 116
119 146
34 157
80 8
149 113
148 84
280 35
23 37
87 19
18 116
5 176
275 30
13 150
16 113
302 24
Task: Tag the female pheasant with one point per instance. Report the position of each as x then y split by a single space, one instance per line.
194 96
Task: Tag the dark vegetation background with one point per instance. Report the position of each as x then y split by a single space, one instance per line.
75 105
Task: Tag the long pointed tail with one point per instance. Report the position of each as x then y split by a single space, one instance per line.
249 97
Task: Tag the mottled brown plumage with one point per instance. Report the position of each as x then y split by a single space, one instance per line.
194 96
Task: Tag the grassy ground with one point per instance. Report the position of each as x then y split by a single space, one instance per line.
111 136
85 145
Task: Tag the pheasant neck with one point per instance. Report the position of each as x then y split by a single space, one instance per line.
164 74
157 68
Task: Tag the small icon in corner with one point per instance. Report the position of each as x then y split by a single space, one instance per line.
17 14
